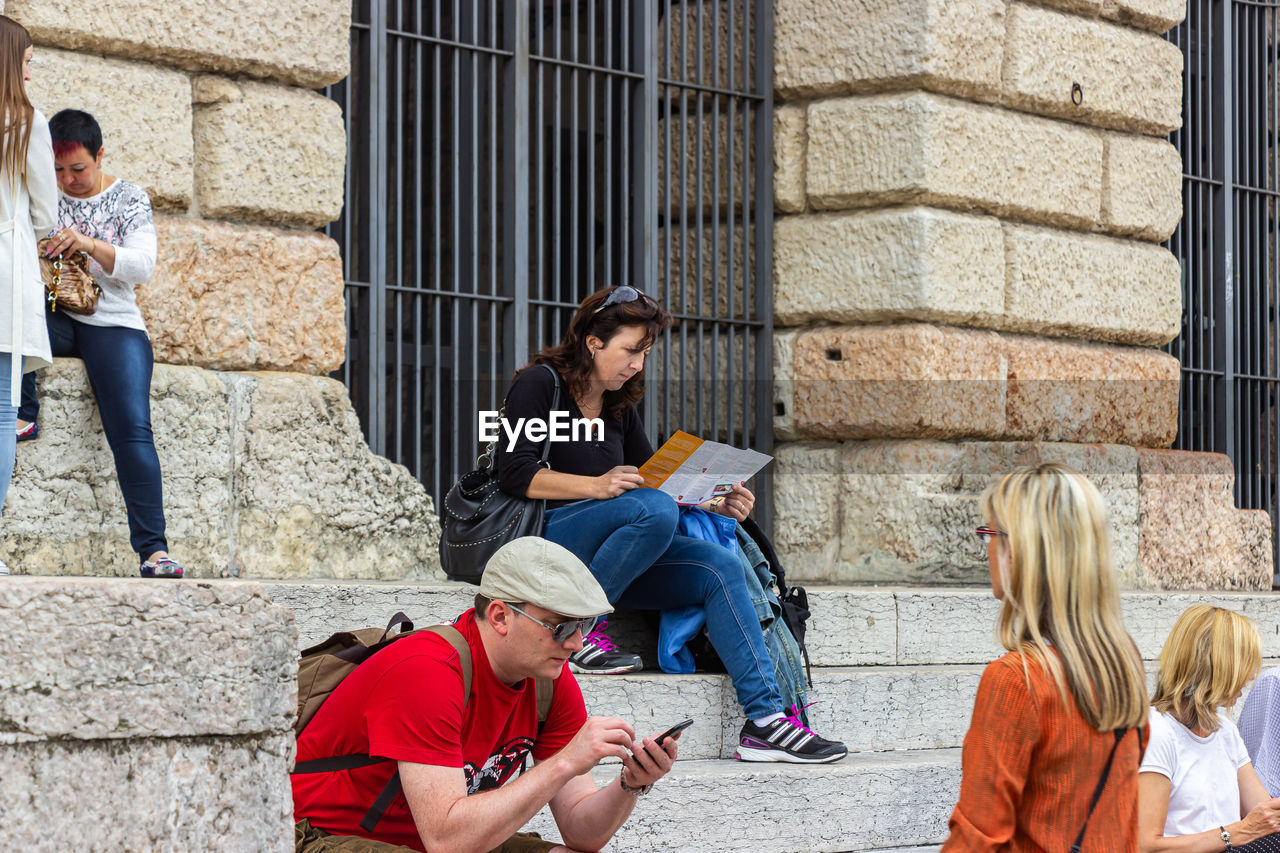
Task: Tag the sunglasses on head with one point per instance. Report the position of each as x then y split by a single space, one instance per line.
625 293
563 631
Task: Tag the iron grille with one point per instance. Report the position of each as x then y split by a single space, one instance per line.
1228 243
508 157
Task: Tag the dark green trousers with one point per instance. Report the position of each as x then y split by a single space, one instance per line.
309 839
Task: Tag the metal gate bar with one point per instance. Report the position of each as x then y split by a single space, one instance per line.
1228 241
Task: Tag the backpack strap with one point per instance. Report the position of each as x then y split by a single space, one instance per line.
545 690
459 643
393 787
1102 783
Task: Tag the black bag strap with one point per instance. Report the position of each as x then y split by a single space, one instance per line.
544 691
487 459
555 404
1102 783
382 802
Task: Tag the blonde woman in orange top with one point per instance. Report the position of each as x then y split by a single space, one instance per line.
1056 719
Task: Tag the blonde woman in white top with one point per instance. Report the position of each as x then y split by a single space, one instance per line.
1197 790
28 207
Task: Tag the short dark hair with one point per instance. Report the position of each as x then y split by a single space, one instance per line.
482 604
72 128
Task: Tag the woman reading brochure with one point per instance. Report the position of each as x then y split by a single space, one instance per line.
626 534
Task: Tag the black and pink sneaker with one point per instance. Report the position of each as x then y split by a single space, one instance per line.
787 740
600 656
163 567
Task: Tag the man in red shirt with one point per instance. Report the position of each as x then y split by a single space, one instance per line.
406 704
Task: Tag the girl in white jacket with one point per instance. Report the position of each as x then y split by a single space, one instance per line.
28 207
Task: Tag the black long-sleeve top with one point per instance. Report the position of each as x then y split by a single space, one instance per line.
625 442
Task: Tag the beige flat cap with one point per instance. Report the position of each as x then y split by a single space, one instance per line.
541 572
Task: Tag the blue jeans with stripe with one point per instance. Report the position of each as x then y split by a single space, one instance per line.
630 545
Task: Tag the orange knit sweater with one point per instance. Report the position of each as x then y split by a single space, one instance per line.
1029 769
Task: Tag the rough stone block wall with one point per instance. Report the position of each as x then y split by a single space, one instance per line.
213 149
212 109
300 42
266 476
969 203
138 715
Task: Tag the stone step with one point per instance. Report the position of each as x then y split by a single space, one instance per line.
869 708
904 704
867 802
851 625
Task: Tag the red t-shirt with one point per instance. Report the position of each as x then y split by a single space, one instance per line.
405 703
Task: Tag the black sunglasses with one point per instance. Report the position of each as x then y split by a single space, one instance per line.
625 293
561 632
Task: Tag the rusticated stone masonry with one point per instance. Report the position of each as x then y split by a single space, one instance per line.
245 297
904 511
144 716
210 147
299 42
970 199
266 476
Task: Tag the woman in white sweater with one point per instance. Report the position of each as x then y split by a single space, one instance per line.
110 220
28 204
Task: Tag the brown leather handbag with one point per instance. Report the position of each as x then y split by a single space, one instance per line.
67 282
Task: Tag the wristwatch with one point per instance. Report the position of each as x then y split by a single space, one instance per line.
1226 839
635 792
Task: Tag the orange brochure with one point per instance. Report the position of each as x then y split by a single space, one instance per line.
692 470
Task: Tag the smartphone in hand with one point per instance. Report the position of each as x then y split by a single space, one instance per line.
673 731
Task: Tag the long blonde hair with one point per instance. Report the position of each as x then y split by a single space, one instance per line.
1060 592
1210 655
16 111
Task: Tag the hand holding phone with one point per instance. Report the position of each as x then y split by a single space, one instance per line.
650 762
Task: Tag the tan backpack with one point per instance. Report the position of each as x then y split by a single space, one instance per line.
324 666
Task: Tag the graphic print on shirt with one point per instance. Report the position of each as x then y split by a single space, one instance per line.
498 768
121 209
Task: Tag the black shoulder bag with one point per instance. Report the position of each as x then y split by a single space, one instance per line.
479 517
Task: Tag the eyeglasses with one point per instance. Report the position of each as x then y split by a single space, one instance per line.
625 293
563 631
985 533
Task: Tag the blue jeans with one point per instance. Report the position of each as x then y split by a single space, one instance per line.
8 436
118 362
630 545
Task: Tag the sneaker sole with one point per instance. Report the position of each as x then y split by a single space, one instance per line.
746 753
612 670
